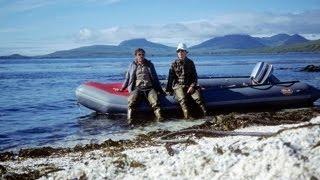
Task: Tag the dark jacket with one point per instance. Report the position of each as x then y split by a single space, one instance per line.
130 79
190 74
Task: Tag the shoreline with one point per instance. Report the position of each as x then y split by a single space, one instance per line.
292 153
42 57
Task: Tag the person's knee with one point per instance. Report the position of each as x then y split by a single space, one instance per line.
153 99
183 102
154 104
197 97
180 96
132 104
133 99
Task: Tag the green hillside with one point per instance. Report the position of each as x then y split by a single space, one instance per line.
311 46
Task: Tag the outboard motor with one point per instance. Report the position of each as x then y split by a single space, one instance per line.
262 73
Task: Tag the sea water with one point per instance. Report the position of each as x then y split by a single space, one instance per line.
39 108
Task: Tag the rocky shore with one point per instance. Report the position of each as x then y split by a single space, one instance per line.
266 145
311 68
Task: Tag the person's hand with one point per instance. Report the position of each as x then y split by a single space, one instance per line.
190 90
117 89
169 93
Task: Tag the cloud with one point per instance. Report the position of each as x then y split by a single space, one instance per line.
193 32
85 34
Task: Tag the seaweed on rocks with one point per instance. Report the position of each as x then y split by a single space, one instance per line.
113 146
38 152
6 156
169 143
232 121
218 149
3 170
238 151
222 122
123 161
169 149
30 174
214 133
316 145
220 125
136 164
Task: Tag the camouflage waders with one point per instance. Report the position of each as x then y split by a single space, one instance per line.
135 98
180 93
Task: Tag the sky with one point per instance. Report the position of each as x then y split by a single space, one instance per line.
37 27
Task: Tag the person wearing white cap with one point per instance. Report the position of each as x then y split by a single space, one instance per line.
182 81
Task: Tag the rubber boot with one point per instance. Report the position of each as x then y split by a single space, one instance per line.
185 111
129 116
186 114
157 113
203 109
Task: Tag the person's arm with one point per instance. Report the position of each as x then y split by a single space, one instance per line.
170 80
125 82
194 78
194 75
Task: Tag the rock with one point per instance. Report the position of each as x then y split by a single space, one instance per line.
311 68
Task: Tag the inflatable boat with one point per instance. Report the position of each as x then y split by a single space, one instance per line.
260 89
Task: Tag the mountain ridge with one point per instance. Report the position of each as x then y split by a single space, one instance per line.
233 43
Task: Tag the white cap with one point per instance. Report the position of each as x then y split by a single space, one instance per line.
182 46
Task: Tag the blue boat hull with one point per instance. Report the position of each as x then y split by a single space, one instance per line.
218 93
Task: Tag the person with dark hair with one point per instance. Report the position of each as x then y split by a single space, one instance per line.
142 82
182 81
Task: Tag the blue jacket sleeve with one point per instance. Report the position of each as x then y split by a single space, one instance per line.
127 78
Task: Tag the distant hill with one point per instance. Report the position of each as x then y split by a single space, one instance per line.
275 40
237 42
151 48
89 51
142 43
310 46
231 42
294 39
248 44
282 39
15 56
124 49
280 43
